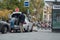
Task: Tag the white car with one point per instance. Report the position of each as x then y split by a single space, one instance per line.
27 25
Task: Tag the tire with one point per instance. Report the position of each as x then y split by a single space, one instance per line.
31 30
4 30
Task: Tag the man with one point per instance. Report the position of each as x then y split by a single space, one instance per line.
21 20
12 23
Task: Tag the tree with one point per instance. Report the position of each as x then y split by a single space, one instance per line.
34 4
38 5
12 4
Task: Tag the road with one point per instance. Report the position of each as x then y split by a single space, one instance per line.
41 35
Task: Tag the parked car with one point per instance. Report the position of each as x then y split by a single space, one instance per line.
27 25
4 27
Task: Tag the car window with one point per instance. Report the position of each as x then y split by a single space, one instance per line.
26 20
16 15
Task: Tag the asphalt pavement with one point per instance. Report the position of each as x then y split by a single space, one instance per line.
40 35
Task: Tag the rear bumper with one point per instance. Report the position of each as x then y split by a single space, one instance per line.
16 28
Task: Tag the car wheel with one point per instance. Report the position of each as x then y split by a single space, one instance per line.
4 29
31 30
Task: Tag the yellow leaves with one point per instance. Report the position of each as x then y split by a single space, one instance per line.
1 13
33 18
5 13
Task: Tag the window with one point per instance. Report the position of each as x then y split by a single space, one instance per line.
16 15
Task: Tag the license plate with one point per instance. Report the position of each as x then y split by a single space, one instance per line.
16 26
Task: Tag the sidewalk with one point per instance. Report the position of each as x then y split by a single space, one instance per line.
43 30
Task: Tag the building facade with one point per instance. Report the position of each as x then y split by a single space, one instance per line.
48 9
47 12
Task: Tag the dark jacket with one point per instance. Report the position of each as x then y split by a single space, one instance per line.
21 18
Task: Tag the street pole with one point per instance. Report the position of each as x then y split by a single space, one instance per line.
27 4
28 13
55 0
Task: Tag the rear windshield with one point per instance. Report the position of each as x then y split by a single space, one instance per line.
16 15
